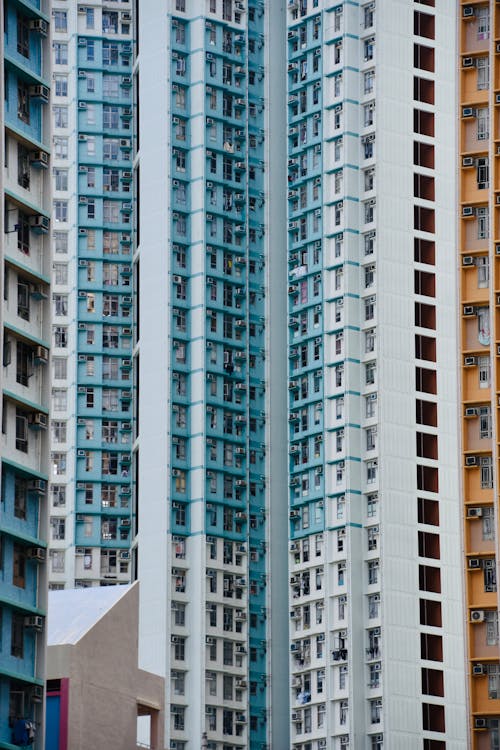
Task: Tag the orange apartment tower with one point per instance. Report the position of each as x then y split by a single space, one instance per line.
479 249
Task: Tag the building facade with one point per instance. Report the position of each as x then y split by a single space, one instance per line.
91 426
478 250
25 332
92 673
206 249
376 625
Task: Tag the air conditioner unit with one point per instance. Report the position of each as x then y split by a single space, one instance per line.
126 16
468 310
470 361
39 26
468 260
79 551
41 354
39 223
37 485
296 716
474 512
39 158
38 419
474 562
36 553
40 92
478 670
174 639
471 411
471 460
34 621
467 211
480 723
36 693
468 62
468 11
477 615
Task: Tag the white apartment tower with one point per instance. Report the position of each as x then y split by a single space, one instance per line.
346 113
376 624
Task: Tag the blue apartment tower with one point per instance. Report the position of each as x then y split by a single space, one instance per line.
25 331
91 436
203 455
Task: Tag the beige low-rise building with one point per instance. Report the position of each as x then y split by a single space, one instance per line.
96 695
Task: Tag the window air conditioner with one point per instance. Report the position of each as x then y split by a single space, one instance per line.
474 512
477 615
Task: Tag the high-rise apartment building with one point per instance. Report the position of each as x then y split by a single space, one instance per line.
25 332
91 427
210 368
376 627
478 253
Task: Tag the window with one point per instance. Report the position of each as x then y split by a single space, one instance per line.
24 362
482 122
375 711
491 617
57 528
58 494
23 36
109 22
61 210
60 53
59 399
483 73
58 463
485 422
23 107
373 567
60 334
369 81
61 148
21 431
110 53
371 471
60 20
487 523
372 534
61 85
23 166
89 21
61 175
23 233
20 498
484 372
57 558
17 636
486 472
179 649
58 431
111 87
483 230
